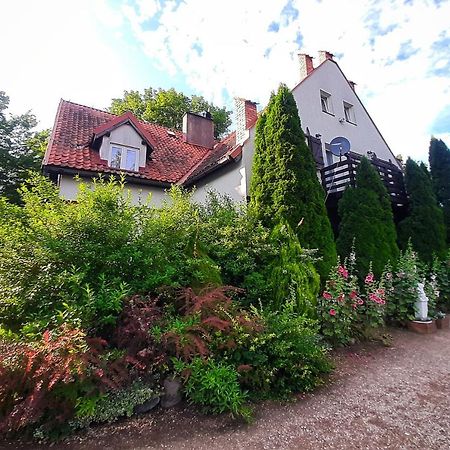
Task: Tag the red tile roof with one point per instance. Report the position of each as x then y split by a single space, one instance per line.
172 160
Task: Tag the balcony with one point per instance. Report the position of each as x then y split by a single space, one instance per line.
336 177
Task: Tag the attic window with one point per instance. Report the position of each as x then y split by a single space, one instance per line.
349 113
325 101
125 158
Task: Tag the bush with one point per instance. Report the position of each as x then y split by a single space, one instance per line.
76 262
441 271
403 291
112 405
348 312
285 356
214 386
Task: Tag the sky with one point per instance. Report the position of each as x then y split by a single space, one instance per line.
90 51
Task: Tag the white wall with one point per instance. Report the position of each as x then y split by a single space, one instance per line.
230 180
363 136
68 189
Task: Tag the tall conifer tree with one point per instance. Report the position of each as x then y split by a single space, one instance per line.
424 224
367 221
284 183
439 158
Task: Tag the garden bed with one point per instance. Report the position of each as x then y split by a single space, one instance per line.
378 397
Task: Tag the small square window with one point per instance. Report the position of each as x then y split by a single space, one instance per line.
125 158
349 113
325 101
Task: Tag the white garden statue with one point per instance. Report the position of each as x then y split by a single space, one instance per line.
421 303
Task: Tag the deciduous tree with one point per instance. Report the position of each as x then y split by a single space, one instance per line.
167 107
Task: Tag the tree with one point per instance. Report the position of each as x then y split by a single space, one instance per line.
367 222
21 149
424 224
167 108
439 158
284 185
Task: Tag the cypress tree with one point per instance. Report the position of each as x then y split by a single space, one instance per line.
424 224
367 222
284 183
439 158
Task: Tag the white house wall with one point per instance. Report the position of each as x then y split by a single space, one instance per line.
231 180
68 189
363 136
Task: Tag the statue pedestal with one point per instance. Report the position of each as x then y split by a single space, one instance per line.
422 327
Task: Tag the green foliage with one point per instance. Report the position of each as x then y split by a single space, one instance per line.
21 149
284 357
367 222
402 292
214 386
424 225
439 158
284 183
167 107
292 274
112 405
244 248
441 271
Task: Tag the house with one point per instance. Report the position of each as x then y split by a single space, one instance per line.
331 111
86 142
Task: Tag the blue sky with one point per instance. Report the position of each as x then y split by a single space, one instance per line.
90 51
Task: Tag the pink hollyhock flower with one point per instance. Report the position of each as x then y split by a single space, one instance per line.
353 294
360 301
326 295
369 278
332 312
341 298
382 302
343 271
380 291
354 305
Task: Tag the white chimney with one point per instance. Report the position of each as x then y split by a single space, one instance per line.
324 55
246 117
305 65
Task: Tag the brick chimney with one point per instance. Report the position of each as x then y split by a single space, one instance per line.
324 55
198 130
246 117
305 65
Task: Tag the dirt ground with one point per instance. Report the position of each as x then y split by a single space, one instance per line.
378 397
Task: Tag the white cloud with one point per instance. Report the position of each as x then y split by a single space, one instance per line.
403 96
54 49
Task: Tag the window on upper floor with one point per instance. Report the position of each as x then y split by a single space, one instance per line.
125 158
325 100
349 113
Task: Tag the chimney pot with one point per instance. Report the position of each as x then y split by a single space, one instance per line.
306 65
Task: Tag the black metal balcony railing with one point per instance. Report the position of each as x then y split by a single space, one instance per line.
336 177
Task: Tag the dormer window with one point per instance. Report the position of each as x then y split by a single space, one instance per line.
125 158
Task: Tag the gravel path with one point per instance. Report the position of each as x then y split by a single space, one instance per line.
396 398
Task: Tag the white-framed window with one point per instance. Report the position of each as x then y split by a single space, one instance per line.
325 101
349 113
125 158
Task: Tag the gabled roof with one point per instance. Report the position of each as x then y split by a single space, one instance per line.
126 118
172 159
